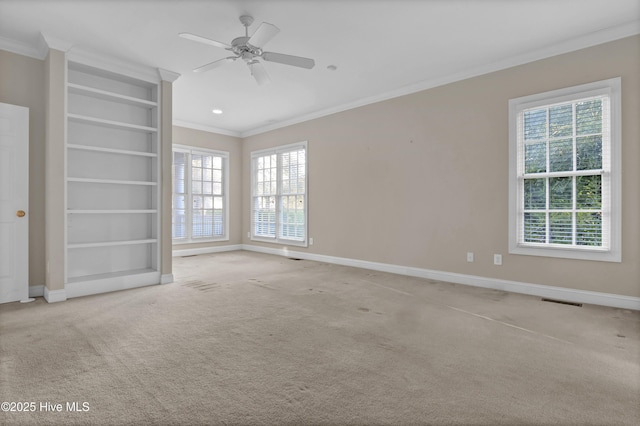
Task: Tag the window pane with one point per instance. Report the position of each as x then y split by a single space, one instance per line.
589 117
179 162
196 160
535 194
202 225
196 187
560 121
560 228
216 162
179 222
207 161
535 227
178 202
561 155
589 155
197 224
535 124
207 188
560 193
535 157
589 192
218 222
589 229
196 173
265 216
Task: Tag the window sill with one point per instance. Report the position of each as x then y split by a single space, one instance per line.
280 241
567 253
192 241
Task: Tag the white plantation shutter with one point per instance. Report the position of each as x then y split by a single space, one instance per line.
179 226
564 176
279 194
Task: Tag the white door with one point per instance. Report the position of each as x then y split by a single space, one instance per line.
14 203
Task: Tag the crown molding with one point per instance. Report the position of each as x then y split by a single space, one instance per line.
19 48
587 40
204 128
166 75
113 64
47 42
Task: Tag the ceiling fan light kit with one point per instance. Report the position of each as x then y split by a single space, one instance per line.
249 49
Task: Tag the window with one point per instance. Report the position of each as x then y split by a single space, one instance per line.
199 195
565 173
279 195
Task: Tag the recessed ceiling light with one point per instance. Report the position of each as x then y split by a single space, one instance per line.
217 111
332 68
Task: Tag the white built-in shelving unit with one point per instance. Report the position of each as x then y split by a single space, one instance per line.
112 181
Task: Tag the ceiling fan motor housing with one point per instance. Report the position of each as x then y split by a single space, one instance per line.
240 47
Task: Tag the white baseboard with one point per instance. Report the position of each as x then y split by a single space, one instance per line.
557 293
53 296
36 291
111 283
166 278
206 250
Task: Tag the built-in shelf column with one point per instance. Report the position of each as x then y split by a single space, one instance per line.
112 181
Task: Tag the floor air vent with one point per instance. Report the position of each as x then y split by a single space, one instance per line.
562 302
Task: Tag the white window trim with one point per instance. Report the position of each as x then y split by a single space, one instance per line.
225 176
612 87
277 150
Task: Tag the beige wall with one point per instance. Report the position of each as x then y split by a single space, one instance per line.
166 111
55 77
232 145
417 180
421 179
22 82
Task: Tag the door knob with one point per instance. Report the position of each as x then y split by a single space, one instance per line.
20 213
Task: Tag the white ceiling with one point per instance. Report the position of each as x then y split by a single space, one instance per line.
381 48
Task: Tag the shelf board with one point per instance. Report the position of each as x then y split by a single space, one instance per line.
111 123
109 275
110 150
112 181
112 211
111 243
109 96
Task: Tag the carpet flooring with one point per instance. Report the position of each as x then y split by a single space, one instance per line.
245 338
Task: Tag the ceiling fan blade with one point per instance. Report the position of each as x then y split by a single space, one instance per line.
263 34
296 61
215 64
208 41
259 73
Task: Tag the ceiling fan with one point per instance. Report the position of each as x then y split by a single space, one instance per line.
249 49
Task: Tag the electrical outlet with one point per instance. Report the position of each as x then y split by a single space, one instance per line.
248 234
469 256
497 259
311 241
